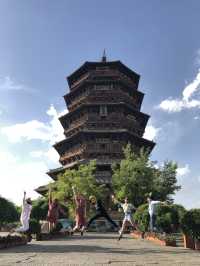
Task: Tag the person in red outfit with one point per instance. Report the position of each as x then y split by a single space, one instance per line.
80 211
53 212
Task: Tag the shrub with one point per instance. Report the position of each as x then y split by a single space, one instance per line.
167 218
8 211
40 209
181 212
190 223
34 226
141 218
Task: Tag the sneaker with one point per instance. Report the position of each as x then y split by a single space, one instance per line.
120 236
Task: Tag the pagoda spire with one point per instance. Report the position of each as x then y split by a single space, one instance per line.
104 59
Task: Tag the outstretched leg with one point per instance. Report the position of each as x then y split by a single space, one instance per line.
122 229
107 217
96 216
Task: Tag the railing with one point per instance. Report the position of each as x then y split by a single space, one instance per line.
75 151
82 78
110 73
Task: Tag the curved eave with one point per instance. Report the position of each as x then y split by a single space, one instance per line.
59 145
63 119
85 82
91 65
42 190
53 173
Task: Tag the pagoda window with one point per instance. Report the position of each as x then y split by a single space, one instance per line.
102 140
102 68
103 110
101 87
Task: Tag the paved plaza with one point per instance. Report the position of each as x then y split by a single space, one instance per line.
97 249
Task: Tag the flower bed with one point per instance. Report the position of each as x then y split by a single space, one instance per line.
12 240
161 239
137 234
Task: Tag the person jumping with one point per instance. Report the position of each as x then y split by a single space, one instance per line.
152 204
80 211
25 215
53 212
128 209
100 212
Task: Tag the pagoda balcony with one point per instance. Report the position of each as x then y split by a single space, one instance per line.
113 75
106 74
80 80
75 152
76 123
115 126
112 122
104 148
98 97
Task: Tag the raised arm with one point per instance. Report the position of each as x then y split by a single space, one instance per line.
50 196
116 201
74 192
153 202
24 198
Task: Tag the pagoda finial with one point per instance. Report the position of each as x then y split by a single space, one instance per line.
104 56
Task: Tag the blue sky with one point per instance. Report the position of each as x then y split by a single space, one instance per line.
44 41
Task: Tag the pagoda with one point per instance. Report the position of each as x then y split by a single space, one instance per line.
104 115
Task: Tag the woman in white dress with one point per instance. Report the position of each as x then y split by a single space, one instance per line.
25 214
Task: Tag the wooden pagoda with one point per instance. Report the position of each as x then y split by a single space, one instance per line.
104 115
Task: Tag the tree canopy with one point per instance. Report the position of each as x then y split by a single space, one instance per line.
74 177
137 176
8 211
39 209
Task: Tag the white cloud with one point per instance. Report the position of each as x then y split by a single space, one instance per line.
51 155
8 84
151 132
182 171
191 88
188 196
36 130
18 175
186 101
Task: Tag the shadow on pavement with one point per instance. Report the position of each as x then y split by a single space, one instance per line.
60 248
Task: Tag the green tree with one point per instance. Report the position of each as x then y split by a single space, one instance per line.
8 211
136 176
39 209
82 179
165 183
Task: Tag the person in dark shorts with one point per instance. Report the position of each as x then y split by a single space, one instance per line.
100 212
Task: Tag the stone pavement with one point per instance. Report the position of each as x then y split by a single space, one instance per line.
97 249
